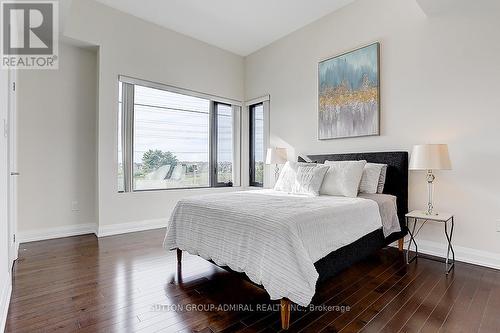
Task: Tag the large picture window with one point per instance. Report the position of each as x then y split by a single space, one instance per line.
171 138
256 113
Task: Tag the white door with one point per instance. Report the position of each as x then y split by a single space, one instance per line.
4 180
13 171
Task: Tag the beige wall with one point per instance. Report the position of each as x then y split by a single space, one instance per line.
132 47
57 142
439 84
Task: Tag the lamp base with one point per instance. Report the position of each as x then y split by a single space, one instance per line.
276 172
430 188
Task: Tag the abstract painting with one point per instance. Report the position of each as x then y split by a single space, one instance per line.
349 94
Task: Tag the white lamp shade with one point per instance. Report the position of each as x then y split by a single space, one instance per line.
430 157
276 156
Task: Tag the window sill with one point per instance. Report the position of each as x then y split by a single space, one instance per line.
186 189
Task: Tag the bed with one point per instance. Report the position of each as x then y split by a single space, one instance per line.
287 243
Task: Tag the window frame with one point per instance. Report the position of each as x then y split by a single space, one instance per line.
214 139
251 111
127 132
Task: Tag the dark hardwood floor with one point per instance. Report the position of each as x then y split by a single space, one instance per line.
126 283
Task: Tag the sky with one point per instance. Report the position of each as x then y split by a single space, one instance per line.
179 124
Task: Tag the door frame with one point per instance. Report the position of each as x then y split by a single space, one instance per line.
13 171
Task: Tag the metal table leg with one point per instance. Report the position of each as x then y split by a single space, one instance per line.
449 266
412 240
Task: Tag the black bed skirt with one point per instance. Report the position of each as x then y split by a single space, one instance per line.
346 256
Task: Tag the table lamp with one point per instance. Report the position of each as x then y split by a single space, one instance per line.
430 157
276 156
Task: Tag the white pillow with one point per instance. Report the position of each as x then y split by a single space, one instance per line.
309 178
381 180
286 179
370 178
342 178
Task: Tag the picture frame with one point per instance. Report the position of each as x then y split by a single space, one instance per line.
349 94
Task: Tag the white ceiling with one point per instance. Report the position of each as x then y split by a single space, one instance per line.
239 26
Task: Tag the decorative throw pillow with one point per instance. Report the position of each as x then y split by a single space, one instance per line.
309 178
342 178
286 179
381 180
370 178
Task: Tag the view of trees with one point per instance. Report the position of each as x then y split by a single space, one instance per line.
225 172
149 172
153 159
259 172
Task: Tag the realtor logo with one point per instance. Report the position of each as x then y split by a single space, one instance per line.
29 34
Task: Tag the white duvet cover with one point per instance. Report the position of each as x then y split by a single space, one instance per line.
273 237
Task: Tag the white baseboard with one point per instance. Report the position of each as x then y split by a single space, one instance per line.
16 255
57 232
123 228
6 291
464 254
90 228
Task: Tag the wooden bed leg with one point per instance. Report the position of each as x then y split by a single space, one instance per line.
179 256
285 313
400 244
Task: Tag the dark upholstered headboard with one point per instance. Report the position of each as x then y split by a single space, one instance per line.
397 173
